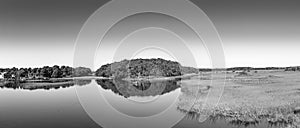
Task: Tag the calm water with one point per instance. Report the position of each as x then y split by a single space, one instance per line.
60 108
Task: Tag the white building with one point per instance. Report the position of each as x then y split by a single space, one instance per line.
2 75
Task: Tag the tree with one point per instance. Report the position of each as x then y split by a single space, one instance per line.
22 73
45 72
140 68
8 75
82 71
56 73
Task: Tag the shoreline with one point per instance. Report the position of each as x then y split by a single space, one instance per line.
153 78
82 78
47 83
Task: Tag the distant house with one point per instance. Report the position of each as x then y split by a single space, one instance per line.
296 68
2 75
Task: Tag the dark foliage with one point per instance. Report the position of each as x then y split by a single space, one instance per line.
140 68
82 71
44 72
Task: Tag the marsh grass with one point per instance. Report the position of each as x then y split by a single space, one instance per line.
258 79
281 116
253 81
249 99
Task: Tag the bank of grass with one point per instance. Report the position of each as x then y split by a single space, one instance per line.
248 101
251 115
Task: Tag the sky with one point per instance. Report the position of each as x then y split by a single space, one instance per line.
255 33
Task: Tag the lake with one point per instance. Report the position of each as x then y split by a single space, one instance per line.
60 107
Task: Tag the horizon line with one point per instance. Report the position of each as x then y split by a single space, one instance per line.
183 66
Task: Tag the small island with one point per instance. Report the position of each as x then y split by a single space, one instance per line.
140 68
145 69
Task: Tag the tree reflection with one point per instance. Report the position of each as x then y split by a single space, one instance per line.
82 82
138 88
44 84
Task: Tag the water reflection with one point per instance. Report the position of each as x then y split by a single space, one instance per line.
82 82
120 87
41 108
138 88
134 97
44 84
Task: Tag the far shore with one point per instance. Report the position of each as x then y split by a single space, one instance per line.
154 78
48 83
64 82
81 78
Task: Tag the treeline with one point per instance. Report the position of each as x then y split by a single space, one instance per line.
233 69
136 68
295 68
45 72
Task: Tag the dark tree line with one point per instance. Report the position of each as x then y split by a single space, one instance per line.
140 68
296 68
45 72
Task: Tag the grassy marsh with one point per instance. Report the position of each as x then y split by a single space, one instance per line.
271 96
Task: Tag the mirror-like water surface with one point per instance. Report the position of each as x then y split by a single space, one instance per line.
59 107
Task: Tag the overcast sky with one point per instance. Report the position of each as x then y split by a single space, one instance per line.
255 33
